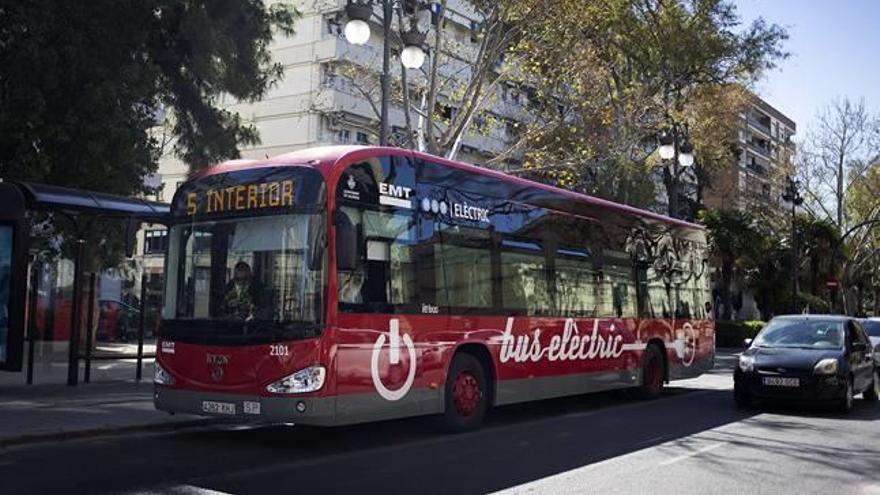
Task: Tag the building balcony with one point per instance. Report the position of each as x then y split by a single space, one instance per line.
758 126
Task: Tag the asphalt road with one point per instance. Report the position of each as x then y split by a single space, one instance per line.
691 441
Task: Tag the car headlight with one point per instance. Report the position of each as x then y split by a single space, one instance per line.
826 367
160 376
746 363
305 380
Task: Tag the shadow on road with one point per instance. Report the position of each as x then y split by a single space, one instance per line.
519 444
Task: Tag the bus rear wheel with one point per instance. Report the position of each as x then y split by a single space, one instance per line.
653 372
467 394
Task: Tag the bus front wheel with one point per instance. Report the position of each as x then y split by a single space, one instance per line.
467 394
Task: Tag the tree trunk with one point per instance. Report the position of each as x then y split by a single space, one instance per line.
726 278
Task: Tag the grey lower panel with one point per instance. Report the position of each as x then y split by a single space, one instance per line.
527 389
318 411
359 408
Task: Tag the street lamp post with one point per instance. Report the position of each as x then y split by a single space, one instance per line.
675 145
412 56
793 196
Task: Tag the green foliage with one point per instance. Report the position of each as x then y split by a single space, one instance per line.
740 244
756 256
83 82
608 75
732 333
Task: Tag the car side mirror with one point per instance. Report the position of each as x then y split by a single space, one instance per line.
747 343
346 242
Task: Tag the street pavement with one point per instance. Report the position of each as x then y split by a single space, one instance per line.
691 441
44 413
113 362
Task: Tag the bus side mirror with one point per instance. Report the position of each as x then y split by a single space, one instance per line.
346 242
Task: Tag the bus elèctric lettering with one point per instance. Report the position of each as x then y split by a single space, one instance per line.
340 285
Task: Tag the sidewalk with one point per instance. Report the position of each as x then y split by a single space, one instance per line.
54 412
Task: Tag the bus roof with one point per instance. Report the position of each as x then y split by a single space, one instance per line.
329 158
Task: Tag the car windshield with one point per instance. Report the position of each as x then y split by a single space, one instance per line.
872 327
802 333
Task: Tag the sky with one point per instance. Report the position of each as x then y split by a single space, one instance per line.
835 52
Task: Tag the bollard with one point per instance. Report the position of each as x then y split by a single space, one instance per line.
90 332
140 353
73 354
32 319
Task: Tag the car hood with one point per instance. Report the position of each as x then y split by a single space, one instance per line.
790 358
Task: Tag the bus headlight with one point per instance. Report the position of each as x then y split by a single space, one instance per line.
305 380
160 376
826 367
746 363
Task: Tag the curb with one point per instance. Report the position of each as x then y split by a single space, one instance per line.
101 432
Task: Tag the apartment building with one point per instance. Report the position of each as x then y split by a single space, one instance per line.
755 180
764 153
318 102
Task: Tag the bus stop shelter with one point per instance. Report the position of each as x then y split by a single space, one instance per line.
80 208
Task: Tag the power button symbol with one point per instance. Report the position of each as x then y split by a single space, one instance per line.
393 360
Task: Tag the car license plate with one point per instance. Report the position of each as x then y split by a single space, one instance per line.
778 381
251 407
213 407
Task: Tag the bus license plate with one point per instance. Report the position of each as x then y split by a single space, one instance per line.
212 407
251 407
778 381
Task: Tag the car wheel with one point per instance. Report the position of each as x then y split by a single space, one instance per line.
467 394
873 392
846 403
653 371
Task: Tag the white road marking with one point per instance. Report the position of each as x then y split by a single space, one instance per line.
692 454
570 481
179 490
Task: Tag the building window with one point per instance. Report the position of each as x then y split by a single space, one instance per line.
343 136
155 241
362 138
332 26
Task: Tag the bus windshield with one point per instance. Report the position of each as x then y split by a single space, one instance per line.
251 279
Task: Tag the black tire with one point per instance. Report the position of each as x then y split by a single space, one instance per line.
846 403
872 394
653 374
742 398
467 394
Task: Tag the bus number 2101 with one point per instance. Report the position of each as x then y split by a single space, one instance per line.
278 350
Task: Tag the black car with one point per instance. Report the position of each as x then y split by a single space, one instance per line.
808 358
872 327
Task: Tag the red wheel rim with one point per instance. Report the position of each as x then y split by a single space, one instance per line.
652 374
466 393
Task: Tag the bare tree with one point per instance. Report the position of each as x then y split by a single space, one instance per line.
837 151
449 97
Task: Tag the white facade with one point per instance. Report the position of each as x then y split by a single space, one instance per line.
314 105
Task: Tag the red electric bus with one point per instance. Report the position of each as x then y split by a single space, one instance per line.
346 284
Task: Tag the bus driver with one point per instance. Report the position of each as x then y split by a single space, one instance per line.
243 293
